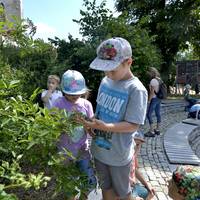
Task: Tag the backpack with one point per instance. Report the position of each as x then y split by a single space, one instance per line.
162 92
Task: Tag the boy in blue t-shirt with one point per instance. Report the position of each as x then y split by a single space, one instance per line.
121 108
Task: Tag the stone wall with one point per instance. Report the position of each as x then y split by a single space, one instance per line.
12 8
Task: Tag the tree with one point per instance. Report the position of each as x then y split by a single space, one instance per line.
97 24
33 57
173 22
192 53
93 19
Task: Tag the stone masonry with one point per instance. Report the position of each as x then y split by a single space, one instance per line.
12 8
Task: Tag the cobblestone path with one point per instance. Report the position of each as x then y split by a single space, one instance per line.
153 162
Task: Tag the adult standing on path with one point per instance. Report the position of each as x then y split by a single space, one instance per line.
154 103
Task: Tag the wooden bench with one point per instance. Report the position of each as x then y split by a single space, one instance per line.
176 144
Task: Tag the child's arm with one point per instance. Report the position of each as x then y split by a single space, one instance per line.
120 127
140 177
151 92
47 96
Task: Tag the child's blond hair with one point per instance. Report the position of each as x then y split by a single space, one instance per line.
55 77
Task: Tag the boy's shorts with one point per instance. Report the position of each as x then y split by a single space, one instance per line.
139 191
115 177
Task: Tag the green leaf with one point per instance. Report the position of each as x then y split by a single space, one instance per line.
4 122
31 145
13 84
1 187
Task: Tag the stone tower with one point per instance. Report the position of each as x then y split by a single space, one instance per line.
12 8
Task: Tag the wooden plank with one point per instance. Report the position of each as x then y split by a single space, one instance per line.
175 161
177 146
191 121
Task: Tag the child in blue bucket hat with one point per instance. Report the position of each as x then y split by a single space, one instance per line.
73 87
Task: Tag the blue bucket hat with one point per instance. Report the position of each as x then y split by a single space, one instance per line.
73 83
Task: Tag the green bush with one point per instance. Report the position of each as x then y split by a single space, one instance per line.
28 137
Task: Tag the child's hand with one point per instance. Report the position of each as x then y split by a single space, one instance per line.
50 91
94 123
151 193
83 120
90 131
47 96
151 190
150 196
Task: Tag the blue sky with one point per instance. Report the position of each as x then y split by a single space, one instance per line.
54 17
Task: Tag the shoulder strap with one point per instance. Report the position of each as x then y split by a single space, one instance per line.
159 80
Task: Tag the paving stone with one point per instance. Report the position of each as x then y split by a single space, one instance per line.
158 188
161 196
155 183
156 171
161 181
153 178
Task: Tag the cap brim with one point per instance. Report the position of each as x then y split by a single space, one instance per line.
76 93
104 65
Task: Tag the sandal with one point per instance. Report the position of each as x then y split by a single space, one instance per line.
157 132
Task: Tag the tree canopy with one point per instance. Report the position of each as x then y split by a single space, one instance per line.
174 23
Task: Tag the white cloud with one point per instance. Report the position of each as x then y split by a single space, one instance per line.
44 28
44 31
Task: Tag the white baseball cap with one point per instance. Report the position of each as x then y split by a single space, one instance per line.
111 53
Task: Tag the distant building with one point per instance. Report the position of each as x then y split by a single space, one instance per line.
188 72
12 9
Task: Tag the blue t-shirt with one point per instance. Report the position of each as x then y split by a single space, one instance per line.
118 101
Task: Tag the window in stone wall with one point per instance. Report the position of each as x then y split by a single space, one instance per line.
181 69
